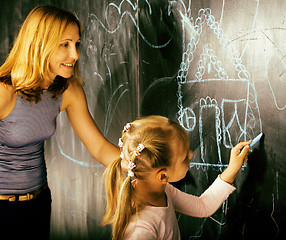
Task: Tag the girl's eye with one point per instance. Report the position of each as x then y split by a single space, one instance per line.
77 44
188 157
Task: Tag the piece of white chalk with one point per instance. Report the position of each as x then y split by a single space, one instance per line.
255 140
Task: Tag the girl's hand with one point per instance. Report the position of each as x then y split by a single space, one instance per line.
237 157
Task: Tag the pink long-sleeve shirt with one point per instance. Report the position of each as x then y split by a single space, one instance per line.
160 223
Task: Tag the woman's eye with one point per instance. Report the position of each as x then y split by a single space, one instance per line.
77 44
64 44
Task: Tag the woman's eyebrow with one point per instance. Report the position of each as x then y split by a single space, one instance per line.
69 39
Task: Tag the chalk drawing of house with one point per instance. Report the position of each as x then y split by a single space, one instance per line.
227 95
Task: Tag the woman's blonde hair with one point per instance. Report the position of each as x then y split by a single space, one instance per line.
27 65
156 133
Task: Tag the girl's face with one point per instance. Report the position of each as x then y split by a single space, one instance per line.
63 60
180 164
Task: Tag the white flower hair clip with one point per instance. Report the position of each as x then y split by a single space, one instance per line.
120 143
131 166
126 127
130 174
139 149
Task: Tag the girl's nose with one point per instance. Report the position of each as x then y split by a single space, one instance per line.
190 154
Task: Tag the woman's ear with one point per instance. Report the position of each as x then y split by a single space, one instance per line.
162 176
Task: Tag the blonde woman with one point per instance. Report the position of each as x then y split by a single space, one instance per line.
39 79
142 204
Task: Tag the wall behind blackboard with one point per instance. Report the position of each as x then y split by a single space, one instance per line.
217 67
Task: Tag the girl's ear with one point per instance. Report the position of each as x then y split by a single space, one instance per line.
162 176
134 182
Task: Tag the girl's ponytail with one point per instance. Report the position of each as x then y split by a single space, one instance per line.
119 204
114 178
123 211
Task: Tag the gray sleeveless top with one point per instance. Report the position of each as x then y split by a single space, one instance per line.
22 136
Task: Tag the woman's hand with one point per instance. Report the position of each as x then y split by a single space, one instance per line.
238 156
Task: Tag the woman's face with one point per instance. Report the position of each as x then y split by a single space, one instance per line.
63 60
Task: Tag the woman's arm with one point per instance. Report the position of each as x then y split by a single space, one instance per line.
75 104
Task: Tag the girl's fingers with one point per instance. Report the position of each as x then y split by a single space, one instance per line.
241 149
241 145
244 151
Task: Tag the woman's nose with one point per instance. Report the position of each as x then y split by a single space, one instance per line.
74 53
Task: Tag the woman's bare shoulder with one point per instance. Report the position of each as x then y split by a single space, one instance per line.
7 99
74 93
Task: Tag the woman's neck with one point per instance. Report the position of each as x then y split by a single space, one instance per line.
47 82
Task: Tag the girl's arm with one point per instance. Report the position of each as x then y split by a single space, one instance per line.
216 194
238 156
75 104
205 205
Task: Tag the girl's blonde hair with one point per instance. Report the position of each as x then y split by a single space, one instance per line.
27 65
156 133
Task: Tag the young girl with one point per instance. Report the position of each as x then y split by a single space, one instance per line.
156 151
